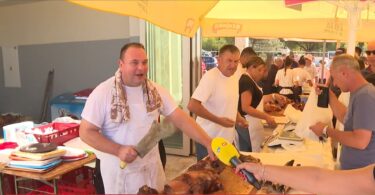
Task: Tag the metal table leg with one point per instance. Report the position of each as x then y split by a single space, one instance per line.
15 185
55 186
1 184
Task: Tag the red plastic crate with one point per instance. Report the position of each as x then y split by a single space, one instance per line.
78 181
65 132
8 185
65 189
78 175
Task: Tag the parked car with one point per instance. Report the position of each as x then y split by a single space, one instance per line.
210 62
203 67
206 53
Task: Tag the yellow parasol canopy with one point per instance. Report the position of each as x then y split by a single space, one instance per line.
252 18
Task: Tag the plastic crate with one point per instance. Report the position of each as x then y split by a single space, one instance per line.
65 132
67 105
8 185
79 176
78 181
65 189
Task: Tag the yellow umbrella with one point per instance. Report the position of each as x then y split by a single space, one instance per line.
179 16
252 18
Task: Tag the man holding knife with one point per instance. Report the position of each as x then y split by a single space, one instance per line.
120 112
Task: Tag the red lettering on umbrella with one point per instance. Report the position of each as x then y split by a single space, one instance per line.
295 2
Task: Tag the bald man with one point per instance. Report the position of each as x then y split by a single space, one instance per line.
369 72
370 52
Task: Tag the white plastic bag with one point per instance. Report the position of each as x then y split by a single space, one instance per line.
66 119
311 115
292 114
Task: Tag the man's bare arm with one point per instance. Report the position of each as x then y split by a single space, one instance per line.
90 134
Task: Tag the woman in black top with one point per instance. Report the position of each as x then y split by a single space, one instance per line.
250 104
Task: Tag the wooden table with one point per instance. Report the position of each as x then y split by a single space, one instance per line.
53 174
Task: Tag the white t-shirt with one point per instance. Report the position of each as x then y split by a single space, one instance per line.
285 80
219 95
147 170
98 106
311 70
301 76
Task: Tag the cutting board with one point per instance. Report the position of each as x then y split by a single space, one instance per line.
40 156
33 162
29 170
38 167
234 184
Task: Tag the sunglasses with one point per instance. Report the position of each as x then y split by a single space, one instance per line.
369 52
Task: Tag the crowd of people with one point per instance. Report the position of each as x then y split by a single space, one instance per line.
228 103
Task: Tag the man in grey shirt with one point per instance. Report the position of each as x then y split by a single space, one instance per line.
359 123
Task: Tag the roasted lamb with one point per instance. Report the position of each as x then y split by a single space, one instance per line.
200 178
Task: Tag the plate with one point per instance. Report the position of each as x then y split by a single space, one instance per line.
74 159
72 153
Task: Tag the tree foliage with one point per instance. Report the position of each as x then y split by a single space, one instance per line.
214 44
309 46
272 45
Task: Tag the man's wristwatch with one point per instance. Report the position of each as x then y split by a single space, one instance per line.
325 135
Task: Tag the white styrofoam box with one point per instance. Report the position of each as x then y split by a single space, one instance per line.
10 131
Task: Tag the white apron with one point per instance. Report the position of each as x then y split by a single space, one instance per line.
142 171
256 129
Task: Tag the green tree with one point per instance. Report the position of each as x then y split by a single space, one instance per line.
270 45
309 46
214 44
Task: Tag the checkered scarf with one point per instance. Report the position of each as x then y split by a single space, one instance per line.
119 104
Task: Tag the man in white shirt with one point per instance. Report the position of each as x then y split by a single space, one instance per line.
120 112
215 100
301 79
310 67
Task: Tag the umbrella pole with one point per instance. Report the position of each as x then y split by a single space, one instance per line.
323 60
353 18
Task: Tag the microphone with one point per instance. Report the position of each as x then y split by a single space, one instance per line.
229 155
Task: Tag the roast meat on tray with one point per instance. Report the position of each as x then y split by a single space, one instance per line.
200 178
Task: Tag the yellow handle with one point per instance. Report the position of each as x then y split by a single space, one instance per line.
123 164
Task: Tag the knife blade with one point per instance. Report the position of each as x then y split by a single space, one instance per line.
157 132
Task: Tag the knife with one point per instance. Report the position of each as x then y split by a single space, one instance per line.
157 132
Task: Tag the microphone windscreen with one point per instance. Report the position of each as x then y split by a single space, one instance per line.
224 150
229 155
